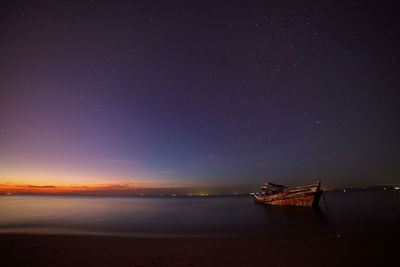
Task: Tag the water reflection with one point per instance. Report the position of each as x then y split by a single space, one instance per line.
293 220
295 212
192 216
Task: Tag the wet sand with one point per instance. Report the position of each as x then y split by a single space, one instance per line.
79 250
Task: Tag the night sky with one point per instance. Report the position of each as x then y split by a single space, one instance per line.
198 96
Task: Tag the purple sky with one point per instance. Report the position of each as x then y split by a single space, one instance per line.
210 95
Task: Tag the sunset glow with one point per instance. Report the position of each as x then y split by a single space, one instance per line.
94 189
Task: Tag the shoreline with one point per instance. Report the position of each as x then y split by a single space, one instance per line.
90 250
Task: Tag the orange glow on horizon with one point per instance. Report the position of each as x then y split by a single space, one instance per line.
94 189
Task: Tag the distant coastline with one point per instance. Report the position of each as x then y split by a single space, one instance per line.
367 189
126 195
372 188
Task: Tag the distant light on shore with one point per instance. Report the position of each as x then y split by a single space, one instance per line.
397 188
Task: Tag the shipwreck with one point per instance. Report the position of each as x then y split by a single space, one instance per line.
280 195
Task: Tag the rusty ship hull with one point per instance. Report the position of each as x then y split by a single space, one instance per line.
306 196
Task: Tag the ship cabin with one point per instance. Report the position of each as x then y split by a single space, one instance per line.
268 189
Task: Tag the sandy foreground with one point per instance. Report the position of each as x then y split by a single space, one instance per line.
79 250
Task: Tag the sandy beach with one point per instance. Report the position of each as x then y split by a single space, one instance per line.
79 250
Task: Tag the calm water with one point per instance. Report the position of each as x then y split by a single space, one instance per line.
347 213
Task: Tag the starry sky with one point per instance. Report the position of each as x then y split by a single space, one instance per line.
198 96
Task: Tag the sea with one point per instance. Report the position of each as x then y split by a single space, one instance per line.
340 213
